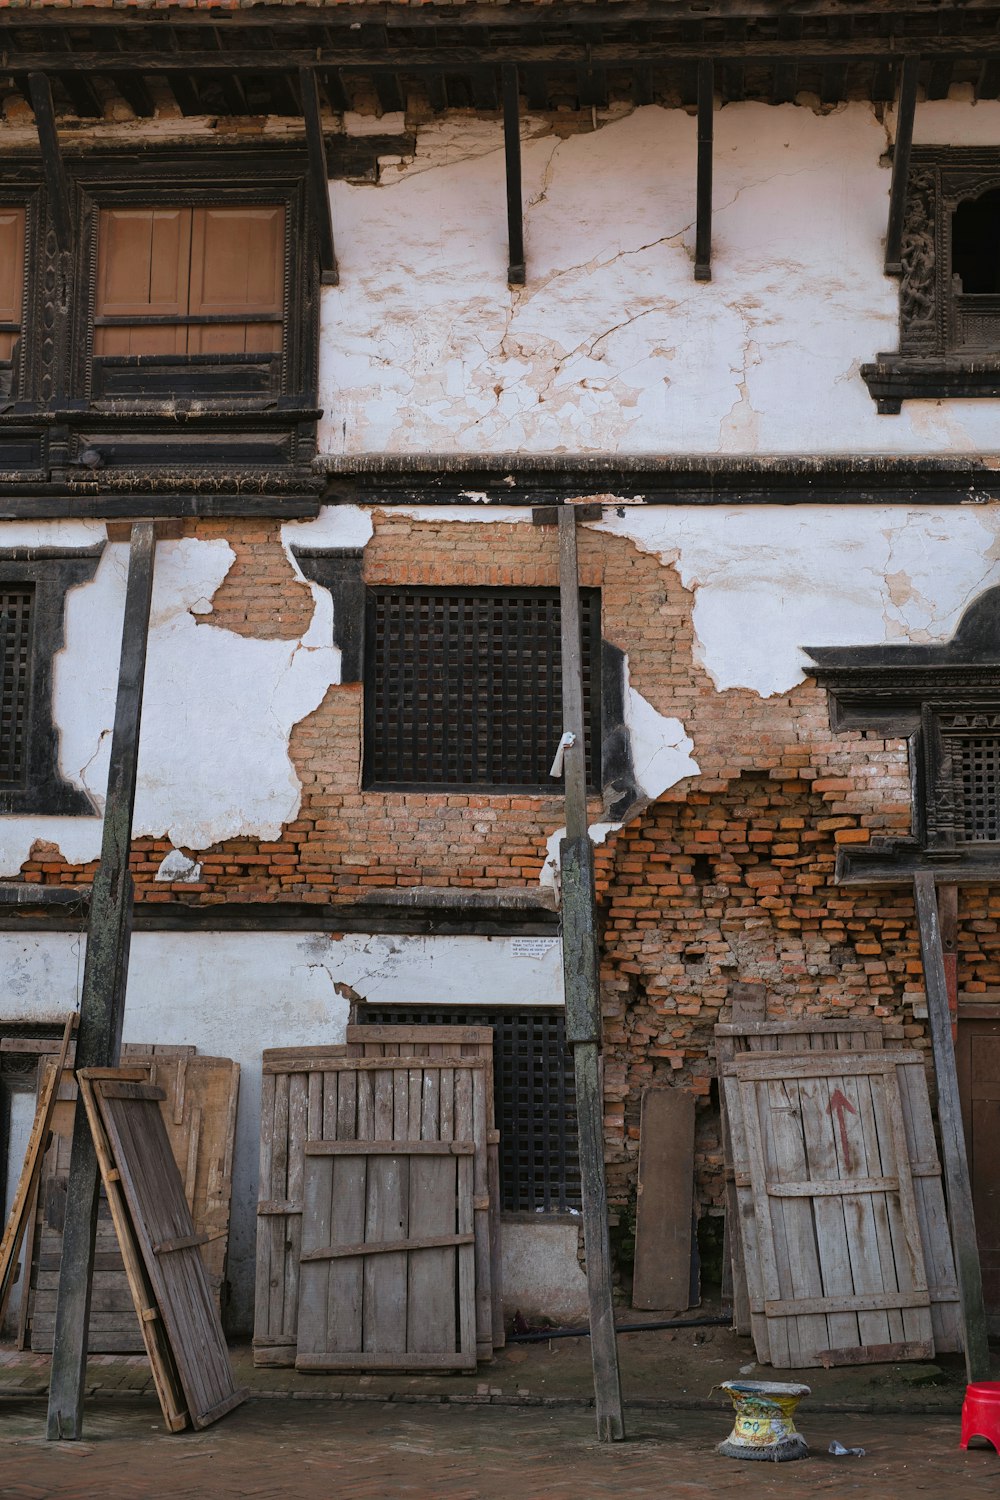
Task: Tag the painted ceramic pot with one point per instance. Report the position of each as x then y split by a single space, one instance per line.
765 1420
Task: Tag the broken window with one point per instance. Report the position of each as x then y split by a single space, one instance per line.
12 230
464 687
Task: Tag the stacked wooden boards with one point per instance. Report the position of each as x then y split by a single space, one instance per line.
160 1248
846 1255
377 1238
199 1114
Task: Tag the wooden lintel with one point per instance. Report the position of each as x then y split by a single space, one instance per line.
56 181
905 110
102 1001
955 1160
706 117
512 153
319 179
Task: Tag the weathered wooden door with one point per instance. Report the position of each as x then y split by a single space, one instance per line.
978 1057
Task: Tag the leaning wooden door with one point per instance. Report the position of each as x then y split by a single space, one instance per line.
978 1057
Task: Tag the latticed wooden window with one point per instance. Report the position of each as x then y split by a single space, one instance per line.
534 1097
15 681
464 687
978 767
190 281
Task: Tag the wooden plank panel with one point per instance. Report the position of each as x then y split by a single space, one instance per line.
153 1189
12 226
663 1206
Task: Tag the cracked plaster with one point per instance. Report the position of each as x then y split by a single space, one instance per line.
612 346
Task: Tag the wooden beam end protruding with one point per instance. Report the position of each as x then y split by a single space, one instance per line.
319 177
512 154
706 127
905 110
60 205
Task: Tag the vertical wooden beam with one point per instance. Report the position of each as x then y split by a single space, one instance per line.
319 177
905 111
947 899
956 1165
102 1002
52 163
512 151
583 1000
706 122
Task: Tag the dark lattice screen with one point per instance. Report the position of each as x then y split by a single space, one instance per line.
463 687
979 759
15 664
534 1096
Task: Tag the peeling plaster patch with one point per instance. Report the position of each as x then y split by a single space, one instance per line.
77 839
770 580
218 711
549 876
661 750
177 866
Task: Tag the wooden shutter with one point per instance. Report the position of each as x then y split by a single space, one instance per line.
11 277
143 263
237 267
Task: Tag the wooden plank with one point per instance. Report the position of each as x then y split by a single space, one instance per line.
956 1166
27 1183
154 1192
706 121
663 1206
905 111
807 1027
305 1063
319 183
388 1148
393 1247
512 156
747 1263
794 1307
761 1065
103 992
877 1354
369 1361
161 1360
474 1036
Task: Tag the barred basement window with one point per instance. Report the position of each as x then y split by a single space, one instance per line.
15 681
534 1097
464 687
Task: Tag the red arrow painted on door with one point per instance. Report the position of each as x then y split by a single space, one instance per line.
838 1104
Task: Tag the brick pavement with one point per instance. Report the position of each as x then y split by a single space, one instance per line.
354 1450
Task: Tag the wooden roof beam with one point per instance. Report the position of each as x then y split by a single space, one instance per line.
60 203
905 110
706 127
319 180
512 152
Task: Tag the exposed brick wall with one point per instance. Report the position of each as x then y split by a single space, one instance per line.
261 596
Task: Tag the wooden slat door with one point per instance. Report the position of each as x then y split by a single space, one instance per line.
978 1058
388 1247
803 1034
199 1112
833 1232
169 1245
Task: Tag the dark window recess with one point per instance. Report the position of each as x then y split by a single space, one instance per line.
15 681
977 761
534 1097
975 244
464 687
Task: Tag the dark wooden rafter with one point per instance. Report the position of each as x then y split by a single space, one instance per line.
319 180
905 110
102 1002
706 119
512 154
60 203
81 94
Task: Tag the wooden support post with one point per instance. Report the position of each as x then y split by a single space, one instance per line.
319 179
52 163
583 1000
947 899
706 121
512 150
102 1002
956 1165
905 111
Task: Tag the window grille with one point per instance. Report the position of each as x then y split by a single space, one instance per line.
464 687
534 1097
979 780
15 666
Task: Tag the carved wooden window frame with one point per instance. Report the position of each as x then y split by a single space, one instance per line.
944 818
933 361
192 178
28 377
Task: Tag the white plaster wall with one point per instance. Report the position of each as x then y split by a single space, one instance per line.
541 1271
234 994
612 346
